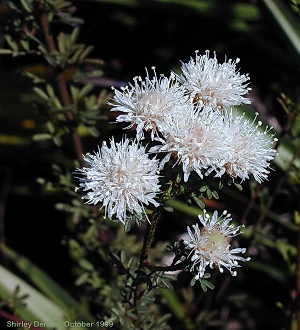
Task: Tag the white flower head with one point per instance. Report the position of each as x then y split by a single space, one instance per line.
146 103
212 84
211 244
194 138
249 149
123 178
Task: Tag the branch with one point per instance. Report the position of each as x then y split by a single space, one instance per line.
61 81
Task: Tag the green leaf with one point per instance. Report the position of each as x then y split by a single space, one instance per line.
198 201
49 57
35 79
207 284
46 285
168 209
193 281
82 279
38 306
94 61
203 188
288 22
173 303
86 52
167 284
209 193
274 272
127 226
57 140
182 207
85 90
287 250
239 186
5 51
85 264
25 45
50 127
41 93
50 91
27 5
74 92
215 194
285 157
41 137
13 45
74 36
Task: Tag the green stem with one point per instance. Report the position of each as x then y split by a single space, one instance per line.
148 238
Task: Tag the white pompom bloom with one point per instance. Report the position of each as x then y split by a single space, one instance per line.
212 84
195 139
211 244
248 149
123 178
148 102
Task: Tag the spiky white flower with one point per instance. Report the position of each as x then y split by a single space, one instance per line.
212 84
194 138
146 103
248 149
210 245
123 178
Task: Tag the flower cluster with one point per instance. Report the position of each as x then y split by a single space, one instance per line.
123 178
191 118
214 85
210 246
148 102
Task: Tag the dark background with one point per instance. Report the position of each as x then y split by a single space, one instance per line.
130 38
